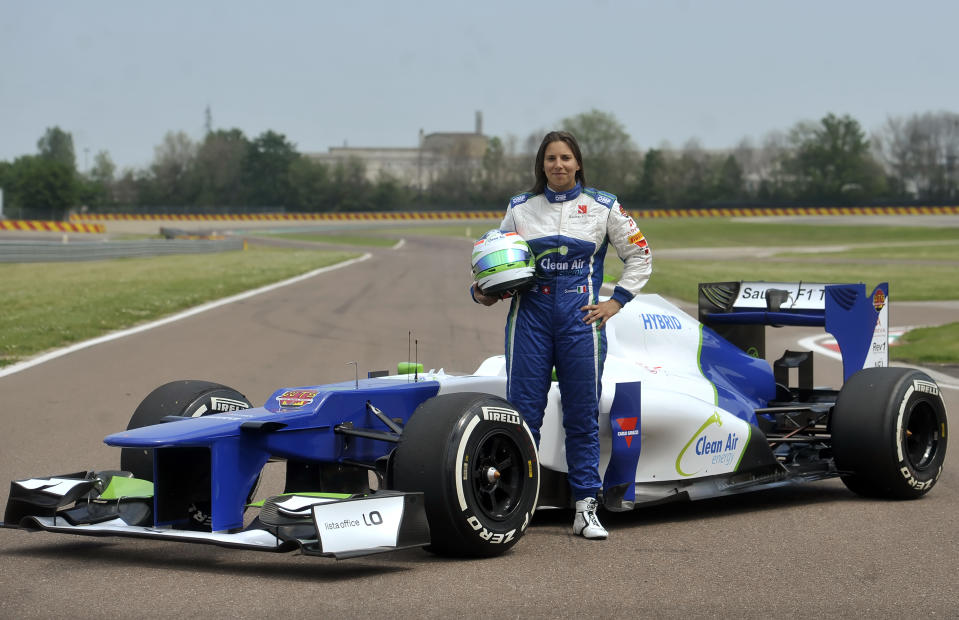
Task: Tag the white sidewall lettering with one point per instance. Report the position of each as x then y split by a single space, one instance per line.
460 454
899 428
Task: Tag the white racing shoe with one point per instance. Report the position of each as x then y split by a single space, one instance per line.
586 523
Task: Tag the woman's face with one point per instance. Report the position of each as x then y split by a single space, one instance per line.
560 166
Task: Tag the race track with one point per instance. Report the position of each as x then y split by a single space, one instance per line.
814 550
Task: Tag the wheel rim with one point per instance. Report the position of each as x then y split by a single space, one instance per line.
921 436
496 475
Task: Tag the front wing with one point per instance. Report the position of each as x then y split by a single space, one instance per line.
316 523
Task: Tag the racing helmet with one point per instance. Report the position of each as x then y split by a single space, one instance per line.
502 261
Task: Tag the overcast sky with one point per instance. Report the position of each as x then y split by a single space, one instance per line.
119 75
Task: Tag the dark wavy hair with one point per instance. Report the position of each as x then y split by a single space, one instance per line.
540 175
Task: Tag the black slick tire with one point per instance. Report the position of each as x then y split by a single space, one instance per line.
889 433
475 461
188 399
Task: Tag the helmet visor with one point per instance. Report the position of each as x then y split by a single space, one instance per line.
502 258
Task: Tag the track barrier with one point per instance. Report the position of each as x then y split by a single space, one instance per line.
95 223
51 226
494 215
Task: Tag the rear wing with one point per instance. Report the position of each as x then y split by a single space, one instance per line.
740 312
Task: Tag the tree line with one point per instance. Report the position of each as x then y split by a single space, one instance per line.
830 161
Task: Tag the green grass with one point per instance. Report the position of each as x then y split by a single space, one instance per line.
932 250
937 345
723 232
679 278
50 305
908 281
719 232
364 240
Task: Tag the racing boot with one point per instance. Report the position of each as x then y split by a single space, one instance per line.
586 523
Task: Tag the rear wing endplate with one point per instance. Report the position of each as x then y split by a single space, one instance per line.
740 312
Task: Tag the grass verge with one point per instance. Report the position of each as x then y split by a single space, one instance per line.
907 282
932 345
679 278
364 240
51 305
722 232
922 250
937 279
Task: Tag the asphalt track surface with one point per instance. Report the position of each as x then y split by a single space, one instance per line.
813 550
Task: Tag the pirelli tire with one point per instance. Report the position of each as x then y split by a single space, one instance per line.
188 399
889 433
475 461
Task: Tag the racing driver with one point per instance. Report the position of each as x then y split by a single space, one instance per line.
559 321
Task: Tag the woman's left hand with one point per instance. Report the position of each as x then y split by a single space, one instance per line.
600 312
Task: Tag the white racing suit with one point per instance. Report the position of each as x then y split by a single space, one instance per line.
568 234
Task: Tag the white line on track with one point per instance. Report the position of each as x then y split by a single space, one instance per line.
46 357
812 343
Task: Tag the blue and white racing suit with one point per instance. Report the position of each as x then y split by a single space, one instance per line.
568 233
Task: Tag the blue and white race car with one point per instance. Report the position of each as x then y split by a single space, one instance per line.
690 409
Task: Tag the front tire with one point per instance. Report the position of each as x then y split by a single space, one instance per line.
889 433
187 399
475 461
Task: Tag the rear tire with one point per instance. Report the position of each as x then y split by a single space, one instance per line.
889 433
474 459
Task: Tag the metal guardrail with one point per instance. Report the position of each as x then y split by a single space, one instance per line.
54 251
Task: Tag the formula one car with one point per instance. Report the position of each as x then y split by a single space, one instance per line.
690 410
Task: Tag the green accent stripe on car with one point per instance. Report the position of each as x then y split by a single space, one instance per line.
699 364
407 368
749 436
127 488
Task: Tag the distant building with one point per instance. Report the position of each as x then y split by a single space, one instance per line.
416 166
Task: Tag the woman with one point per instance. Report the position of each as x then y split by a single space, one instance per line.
559 321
